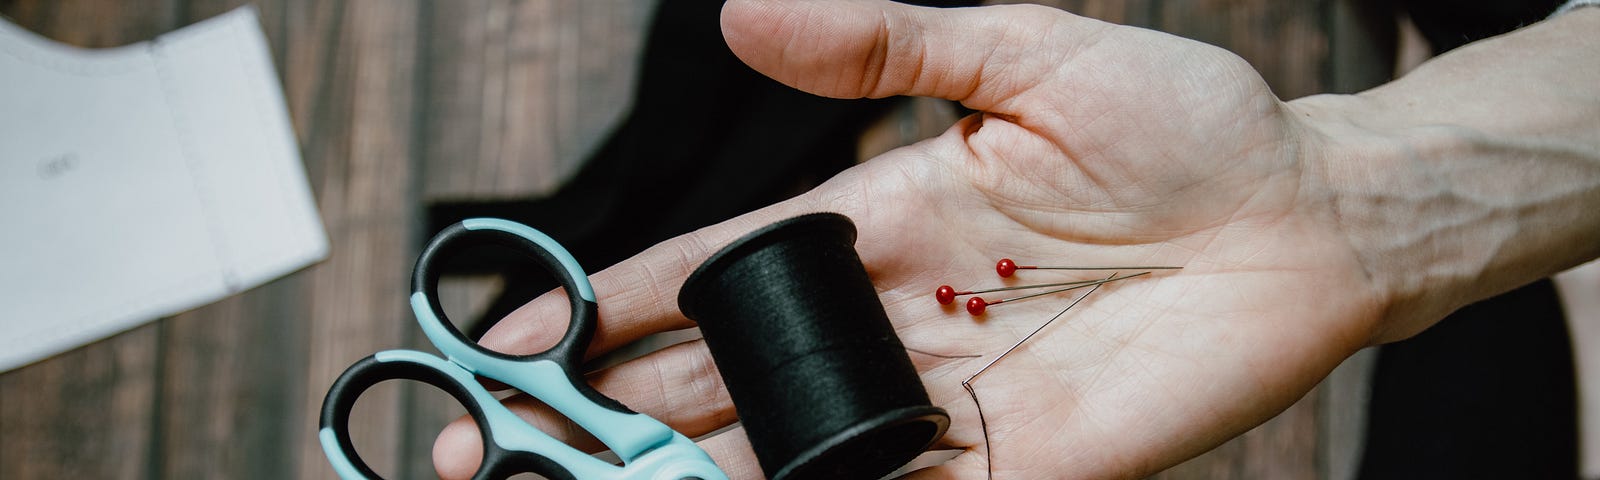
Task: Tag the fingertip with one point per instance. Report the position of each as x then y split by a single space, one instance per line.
831 49
740 18
458 450
750 27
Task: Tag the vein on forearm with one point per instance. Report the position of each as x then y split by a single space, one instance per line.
1477 173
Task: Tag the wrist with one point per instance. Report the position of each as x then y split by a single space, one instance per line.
1440 213
1364 179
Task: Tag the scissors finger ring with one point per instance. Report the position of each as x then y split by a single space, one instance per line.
648 448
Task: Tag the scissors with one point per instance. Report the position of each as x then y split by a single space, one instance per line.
648 449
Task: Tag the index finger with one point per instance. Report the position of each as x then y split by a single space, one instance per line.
638 296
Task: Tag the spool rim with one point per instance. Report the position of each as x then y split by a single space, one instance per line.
924 423
806 224
893 418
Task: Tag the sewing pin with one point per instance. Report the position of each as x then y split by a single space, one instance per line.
1006 267
977 305
988 453
946 294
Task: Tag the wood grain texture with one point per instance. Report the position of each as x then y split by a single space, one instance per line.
1285 41
908 122
520 92
231 374
94 23
353 67
427 409
87 413
232 370
1363 42
231 390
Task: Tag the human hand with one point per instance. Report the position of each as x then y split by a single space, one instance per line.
1098 144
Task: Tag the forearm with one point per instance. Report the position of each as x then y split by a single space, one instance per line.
1476 173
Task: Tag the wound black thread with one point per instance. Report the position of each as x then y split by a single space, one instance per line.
819 379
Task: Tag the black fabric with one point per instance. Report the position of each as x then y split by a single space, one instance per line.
708 139
1486 393
1448 24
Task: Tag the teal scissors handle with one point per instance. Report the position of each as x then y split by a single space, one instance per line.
511 446
648 448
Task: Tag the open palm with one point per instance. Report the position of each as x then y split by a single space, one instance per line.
1097 144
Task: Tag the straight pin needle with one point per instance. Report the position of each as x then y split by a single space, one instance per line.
1006 267
945 294
977 305
988 450
1035 331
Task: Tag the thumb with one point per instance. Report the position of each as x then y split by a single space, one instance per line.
850 49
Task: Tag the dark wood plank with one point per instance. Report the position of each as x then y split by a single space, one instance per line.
233 399
1363 42
93 23
1125 12
83 414
1362 48
516 95
428 410
351 70
1285 41
911 121
86 413
520 92
233 370
1342 418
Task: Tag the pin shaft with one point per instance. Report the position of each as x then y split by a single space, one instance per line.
1094 283
1005 267
1025 287
1037 330
1037 267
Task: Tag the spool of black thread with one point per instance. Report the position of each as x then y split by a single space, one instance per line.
820 380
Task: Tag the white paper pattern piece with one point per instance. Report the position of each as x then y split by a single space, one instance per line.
140 181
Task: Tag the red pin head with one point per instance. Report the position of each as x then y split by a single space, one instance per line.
975 306
1005 268
945 294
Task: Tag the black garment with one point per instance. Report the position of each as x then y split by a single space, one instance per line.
1448 24
1490 391
708 139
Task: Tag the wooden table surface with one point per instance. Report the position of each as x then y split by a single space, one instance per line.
398 103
